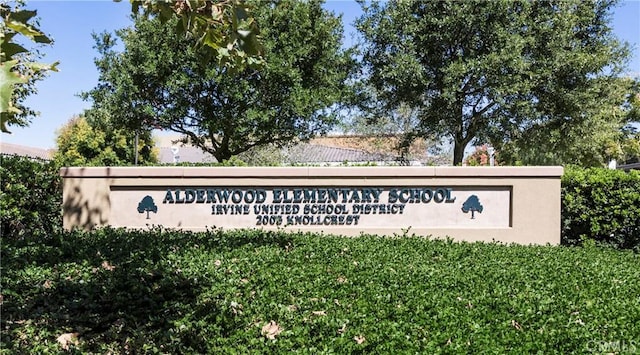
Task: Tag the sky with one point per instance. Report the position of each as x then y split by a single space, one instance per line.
71 23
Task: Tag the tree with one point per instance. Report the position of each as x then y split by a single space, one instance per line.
160 80
478 71
19 70
631 132
631 146
596 139
225 28
83 143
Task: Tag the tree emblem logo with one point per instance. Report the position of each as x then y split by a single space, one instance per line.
147 205
472 204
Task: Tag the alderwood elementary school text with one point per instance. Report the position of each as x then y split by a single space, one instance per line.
506 204
331 202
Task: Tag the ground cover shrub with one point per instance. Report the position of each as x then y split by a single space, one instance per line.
30 197
161 291
601 206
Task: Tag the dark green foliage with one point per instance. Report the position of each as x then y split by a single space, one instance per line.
602 206
161 291
504 72
30 197
161 81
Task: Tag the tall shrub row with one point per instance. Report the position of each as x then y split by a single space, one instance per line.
599 206
30 197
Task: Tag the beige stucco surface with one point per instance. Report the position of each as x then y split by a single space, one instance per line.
519 204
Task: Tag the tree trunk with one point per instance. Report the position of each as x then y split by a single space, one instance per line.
222 155
459 140
458 152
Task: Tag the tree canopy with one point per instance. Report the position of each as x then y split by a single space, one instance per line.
161 81
224 28
81 142
504 72
19 69
603 133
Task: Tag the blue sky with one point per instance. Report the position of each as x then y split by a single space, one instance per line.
71 24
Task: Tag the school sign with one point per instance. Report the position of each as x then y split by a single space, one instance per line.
507 204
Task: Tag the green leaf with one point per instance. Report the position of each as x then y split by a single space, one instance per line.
212 39
8 78
10 49
42 39
43 66
135 6
23 15
166 11
4 119
24 29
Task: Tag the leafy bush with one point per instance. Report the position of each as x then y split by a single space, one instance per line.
482 157
161 291
30 198
96 142
601 206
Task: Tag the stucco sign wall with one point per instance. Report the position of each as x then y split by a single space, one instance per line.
504 204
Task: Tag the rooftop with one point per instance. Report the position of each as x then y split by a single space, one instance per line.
21 150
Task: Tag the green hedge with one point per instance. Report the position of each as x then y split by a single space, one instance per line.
166 292
601 206
30 198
